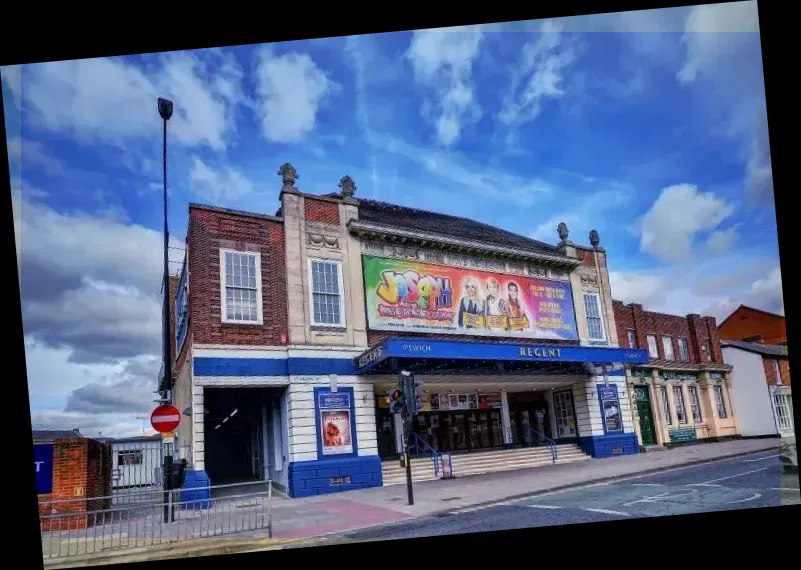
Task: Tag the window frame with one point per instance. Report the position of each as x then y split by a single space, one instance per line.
597 298
720 402
631 336
648 337
340 283
667 414
777 372
667 342
695 404
680 405
684 343
259 289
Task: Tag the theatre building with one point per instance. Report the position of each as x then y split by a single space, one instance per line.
683 392
291 328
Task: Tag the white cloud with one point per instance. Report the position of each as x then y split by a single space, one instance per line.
442 60
668 230
539 76
112 100
217 186
32 154
292 89
713 288
721 241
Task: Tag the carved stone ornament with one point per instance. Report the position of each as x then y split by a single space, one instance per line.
594 239
288 175
563 231
348 186
589 280
321 240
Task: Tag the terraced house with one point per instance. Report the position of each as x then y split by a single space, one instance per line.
291 328
683 392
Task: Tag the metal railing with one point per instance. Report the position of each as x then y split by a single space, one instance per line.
545 440
73 527
420 444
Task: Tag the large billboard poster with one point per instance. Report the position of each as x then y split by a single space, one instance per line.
409 296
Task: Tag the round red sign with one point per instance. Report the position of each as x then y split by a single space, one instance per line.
165 418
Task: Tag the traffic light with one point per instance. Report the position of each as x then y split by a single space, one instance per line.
396 401
411 387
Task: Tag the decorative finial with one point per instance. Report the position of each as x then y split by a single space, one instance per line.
563 232
594 239
348 186
288 175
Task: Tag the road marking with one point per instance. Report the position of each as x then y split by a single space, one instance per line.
756 496
788 489
608 512
648 485
762 458
666 496
543 506
703 485
731 476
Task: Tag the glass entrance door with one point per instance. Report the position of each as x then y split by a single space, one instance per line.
564 414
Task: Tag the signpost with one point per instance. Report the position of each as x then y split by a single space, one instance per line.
165 419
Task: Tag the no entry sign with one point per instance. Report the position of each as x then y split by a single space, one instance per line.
165 418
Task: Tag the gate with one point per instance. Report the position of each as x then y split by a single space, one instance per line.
136 469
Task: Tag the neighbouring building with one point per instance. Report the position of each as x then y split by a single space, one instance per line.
753 325
290 329
684 391
136 462
762 393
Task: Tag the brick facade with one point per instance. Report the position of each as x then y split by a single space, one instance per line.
695 328
322 211
770 370
212 229
81 471
753 325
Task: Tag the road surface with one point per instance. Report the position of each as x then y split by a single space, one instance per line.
744 482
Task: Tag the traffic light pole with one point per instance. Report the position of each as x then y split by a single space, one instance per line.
406 434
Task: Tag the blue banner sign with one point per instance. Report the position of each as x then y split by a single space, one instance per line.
333 400
610 408
43 464
466 350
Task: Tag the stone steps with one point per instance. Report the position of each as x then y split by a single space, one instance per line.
483 462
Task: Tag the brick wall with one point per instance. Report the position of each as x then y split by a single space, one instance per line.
213 229
770 371
746 322
81 470
321 211
586 256
694 328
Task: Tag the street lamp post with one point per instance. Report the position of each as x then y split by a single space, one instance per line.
165 111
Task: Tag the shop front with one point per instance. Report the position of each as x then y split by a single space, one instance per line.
482 396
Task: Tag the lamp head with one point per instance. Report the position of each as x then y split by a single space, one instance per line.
165 108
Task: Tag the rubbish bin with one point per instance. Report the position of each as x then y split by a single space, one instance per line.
177 474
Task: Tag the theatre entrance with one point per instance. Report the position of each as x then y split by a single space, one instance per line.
460 430
529 418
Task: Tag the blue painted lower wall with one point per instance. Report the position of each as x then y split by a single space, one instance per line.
609 445
193 495
308 478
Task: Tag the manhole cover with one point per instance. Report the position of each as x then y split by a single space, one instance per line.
451 498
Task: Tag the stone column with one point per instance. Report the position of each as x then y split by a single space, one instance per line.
505 419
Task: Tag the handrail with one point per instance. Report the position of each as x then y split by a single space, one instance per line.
551 443
427 449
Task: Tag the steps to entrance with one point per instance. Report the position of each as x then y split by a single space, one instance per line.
479 463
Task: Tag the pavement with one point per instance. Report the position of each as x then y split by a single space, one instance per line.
300 522
756 480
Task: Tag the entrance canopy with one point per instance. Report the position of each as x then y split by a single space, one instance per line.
425 356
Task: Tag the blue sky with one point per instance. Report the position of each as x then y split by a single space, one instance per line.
647 126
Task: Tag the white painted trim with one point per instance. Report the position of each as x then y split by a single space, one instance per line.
341 284
600 315
240 353
240 381
259 292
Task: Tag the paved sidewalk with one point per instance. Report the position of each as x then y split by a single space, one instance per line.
314 516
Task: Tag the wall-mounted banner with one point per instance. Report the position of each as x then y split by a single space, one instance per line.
335 422
419 297
43 464
610 408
